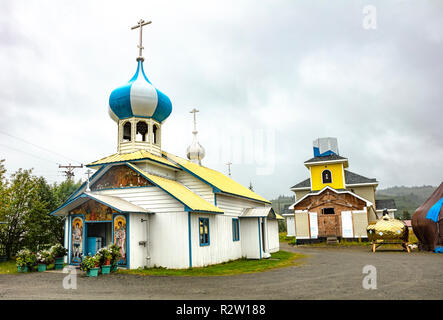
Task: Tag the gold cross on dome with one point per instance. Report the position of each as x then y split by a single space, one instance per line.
140 25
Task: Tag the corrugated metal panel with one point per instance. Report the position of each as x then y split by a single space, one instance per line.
216 179
180 192
137 155
261 212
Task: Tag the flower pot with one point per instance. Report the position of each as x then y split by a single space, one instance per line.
22 269
41 267
106 269
93 272
108 262
114 268
59 261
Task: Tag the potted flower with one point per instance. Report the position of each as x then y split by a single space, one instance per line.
90 265
105 257
58 252
21 260
115 256
43 259
25 260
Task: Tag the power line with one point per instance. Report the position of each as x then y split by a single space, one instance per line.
37 146
29 154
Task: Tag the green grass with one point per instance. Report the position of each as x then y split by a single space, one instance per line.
8 267
284 238
279 259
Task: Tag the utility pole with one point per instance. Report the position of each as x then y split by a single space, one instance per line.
69 172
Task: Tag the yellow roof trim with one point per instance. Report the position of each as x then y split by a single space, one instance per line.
179 192
216 179
137 155
279 217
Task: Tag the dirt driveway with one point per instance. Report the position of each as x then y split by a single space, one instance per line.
327 273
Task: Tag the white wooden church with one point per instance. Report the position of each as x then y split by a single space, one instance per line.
161 209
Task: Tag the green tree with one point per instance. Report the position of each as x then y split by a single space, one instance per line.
26 202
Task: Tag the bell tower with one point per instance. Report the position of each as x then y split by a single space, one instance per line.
139 109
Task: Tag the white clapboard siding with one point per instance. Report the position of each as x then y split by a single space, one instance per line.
152 198
156 169
249 237
137 233
196 185
290 226
234 206
221 247
273 239
66 238
169 246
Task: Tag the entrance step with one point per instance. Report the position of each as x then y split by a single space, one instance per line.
331 240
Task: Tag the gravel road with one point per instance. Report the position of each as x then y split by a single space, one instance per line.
326 273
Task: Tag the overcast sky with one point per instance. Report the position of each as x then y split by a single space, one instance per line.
268 77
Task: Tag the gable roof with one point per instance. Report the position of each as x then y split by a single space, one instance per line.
261 212
217 180
314 193
133 156
304 184
332 157
351 178
192 201
116 203
385 204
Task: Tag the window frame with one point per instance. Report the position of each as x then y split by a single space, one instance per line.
205 223
323 178
235 229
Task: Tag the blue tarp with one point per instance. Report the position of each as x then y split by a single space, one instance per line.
438 250
434 212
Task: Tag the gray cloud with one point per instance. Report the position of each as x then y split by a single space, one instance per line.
302 70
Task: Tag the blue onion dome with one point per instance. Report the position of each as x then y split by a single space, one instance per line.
139 98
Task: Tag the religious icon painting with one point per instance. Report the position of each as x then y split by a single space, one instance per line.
77 240
120 237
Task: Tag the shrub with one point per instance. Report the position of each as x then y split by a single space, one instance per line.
44 257
58 251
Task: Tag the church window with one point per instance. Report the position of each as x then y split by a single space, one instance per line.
155 131
127 131
142 129
235 230
326 176
327 211
120 177
204 231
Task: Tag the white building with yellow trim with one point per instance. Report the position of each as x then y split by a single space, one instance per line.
161 209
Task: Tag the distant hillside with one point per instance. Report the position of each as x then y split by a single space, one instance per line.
407 199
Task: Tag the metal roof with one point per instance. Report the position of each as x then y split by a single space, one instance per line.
116 203
180 192
385 204
259 212
332 157
350 179
133 156
216 179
